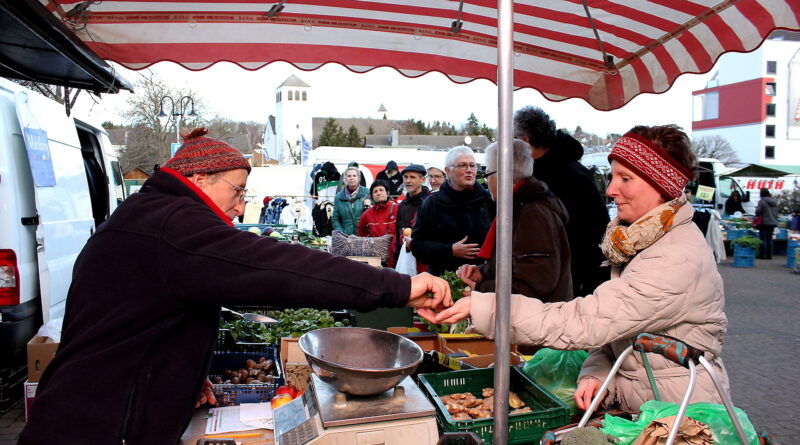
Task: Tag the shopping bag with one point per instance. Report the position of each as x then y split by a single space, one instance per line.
406 263
711 414
558 372
757 221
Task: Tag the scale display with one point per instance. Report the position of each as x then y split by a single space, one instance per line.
325 416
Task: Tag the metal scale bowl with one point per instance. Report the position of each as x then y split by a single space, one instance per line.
361 386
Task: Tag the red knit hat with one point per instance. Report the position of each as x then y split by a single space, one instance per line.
201 154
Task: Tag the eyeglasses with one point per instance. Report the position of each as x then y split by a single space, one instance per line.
435 176
466 166
240 191
489 174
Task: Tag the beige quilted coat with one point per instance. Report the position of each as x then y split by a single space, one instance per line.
670 288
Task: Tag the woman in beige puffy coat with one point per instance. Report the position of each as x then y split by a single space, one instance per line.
664 281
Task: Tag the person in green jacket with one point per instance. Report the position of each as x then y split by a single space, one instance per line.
350 203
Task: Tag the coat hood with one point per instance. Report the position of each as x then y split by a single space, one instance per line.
330 171
565 146
534 189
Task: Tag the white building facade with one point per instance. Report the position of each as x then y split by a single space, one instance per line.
293 113
753 101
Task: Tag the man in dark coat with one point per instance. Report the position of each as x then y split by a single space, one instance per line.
452 223
413 178
556 156
143 309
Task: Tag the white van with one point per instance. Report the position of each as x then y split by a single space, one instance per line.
58 182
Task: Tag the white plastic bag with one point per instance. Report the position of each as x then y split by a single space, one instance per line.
406 263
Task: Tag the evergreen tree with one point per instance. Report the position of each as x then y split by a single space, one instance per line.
332 134
353 138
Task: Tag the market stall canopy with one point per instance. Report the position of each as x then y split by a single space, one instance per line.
771 171
38 47
603 52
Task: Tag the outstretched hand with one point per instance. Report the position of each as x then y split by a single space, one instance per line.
428 291
458 312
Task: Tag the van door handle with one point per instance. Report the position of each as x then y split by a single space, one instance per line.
39 244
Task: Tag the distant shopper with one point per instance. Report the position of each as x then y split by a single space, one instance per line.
413 178
767 209
391 175
734 203
452 223
380 219
436 178
539 247
262 217
556 155
139 329
350 203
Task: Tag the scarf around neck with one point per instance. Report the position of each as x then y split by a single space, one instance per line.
621 243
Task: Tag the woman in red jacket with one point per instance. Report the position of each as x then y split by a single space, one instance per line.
380 219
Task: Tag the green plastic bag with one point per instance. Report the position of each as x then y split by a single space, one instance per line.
557 371
711 414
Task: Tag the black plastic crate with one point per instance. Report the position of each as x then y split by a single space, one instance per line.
460 438
11 385
228 394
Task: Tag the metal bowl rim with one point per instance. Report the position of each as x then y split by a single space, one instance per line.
366 370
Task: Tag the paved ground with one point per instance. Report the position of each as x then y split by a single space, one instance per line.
761 349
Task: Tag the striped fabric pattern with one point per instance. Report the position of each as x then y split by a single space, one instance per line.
605 53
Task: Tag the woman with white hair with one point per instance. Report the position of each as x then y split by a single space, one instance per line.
540 254
452 223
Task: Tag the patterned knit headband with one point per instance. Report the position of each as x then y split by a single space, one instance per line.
652 163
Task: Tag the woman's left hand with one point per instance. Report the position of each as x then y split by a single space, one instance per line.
458 312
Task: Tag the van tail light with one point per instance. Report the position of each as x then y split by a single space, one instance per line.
9 278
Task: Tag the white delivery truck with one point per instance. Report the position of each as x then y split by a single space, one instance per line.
58 182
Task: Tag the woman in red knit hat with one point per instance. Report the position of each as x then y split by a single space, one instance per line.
664 282
143 309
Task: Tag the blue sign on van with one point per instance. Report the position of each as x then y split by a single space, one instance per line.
39 157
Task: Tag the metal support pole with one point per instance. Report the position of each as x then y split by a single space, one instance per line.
505 83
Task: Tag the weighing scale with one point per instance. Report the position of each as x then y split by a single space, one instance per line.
325 416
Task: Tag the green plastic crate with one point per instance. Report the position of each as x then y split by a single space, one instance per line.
548 411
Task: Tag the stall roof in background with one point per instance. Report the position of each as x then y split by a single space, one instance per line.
36 46
603 52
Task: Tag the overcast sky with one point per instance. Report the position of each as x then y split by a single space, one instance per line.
239 94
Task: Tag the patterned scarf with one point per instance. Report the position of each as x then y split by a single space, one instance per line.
621 243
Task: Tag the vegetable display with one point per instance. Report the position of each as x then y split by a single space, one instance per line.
290 323
252 373
465 406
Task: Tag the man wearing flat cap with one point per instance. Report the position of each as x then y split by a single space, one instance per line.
416 192
143 309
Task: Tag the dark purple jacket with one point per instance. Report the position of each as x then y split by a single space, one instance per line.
143 312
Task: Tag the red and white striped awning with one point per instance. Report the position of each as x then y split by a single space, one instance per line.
603 51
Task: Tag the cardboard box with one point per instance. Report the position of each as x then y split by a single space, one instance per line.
428 341
371 260
472 344
30 394
40 352
487 360
295 366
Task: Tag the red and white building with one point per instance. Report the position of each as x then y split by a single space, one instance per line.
753 101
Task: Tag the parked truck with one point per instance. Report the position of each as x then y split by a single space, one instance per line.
59 180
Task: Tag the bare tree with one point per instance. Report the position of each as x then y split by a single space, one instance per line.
716 147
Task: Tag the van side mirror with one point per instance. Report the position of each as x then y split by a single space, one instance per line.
746 196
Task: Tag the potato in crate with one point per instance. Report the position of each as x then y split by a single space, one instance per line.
231 371
544 410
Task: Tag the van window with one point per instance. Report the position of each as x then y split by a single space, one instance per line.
119 183
95 175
